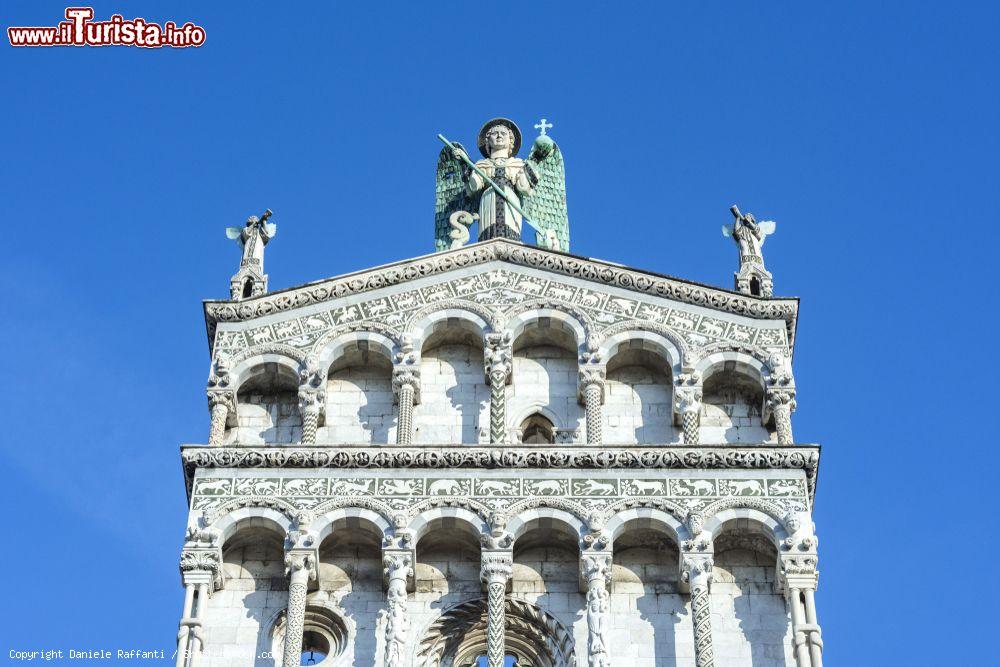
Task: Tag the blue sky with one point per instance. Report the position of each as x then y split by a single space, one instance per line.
866 130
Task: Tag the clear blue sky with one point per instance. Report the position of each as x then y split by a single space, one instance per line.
867 130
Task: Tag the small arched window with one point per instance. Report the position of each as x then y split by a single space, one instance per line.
248 288
538 430
755 286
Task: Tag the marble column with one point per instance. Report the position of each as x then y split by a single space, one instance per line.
812 627
201 572
497 567
687 406
781 404
311 403
498 365
222 404
398 570
406 386
300 566
799 577
696 572
591 382
597 572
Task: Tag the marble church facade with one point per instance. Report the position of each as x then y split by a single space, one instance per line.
500 452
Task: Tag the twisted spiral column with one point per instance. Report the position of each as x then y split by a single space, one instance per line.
496 571
310 406
697 573
781 403
300 567
405 384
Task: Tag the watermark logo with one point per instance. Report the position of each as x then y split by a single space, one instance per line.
79 29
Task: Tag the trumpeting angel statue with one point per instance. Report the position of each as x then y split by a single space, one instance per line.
501 191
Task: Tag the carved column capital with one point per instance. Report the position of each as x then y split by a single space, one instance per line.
300 564
596 566
406 376
498 356
222 397
798 571
687 405
202 565
497 567
397 564
591 375
696 568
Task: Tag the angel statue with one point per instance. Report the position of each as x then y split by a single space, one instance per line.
250 279
501 191
752 278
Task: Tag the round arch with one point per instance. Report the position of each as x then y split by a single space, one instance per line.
327 523
251 366
643 339
722 519
647 517
730 361
524 521
433 318
231 523
335 345
531 312
424 521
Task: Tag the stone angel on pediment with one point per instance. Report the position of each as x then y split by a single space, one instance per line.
502 191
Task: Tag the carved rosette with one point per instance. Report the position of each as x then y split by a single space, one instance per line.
497 567
781 404
300 566
696 572
498 364
406 387
222 404
597 572
398 570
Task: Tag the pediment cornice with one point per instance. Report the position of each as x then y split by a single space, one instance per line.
518 255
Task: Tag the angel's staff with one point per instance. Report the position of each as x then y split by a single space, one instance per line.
489 181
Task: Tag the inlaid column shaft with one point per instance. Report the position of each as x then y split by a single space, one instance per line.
300 567
498 365
697 572
496 571
687 404
591 381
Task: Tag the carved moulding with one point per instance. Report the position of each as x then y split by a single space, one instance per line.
722 457
462 628
568 265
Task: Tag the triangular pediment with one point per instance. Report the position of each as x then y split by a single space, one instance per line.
498 279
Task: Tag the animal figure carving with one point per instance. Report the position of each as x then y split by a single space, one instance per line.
214 486
593 487
548 486
647 487
447 487
699 487
747 487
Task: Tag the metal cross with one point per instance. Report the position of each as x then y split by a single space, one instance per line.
542 126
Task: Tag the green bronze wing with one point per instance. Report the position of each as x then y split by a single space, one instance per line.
546 205
450 195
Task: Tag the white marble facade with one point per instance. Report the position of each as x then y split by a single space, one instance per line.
501 448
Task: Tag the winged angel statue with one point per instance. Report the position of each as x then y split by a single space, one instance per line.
749 235
501 191
252 238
